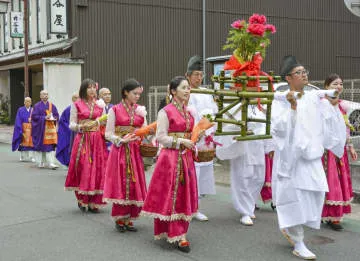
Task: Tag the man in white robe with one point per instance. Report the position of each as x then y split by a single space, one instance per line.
247 163
203 104
301 129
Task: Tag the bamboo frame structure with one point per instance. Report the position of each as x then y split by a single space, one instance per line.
227 99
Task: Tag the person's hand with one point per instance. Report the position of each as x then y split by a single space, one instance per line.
333 100
187 143
353 153
271 154
291 99
48 116
129 137
29 119
89 125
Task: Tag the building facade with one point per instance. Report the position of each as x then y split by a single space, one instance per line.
152 40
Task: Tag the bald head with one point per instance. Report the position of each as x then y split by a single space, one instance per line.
105 94
27 102
44 95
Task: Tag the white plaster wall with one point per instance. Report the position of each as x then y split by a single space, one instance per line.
5 83
61 81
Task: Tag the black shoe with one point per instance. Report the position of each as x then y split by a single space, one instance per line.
93 210
257 207
120 228
131 228
82 208
184 246
272 206
335 226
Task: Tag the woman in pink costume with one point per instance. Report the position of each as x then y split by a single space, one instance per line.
125 184
172 198
337 202
87 163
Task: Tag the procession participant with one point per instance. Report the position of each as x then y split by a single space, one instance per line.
22 140
66 136
125 184
87 162
172 198
44 135
247 166
337 200
301 128
203 104
105 95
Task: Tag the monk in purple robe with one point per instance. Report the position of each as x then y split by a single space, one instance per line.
44 135
22 132
66 136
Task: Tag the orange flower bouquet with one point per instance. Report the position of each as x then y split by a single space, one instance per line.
147 149
198 131
200 128
147 130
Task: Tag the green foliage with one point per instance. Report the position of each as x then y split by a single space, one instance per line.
4 109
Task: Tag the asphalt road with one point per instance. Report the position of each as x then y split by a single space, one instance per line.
39 221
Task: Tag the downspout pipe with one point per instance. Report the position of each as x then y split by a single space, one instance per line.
204 38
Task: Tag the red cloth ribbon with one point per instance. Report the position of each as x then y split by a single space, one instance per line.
251 68
209 139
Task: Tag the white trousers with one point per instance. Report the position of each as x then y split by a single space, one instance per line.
246 183
205 179
45 157
26 155
296 233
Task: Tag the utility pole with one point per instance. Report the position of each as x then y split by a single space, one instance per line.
26 49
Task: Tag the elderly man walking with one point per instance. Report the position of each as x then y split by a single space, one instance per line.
44 134
22 140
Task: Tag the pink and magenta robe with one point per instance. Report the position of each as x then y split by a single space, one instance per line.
172 198
125 183
340 195
87 162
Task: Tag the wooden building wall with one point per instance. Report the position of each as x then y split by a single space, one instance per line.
151 40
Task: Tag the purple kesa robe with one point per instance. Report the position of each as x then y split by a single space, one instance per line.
108 107
38 125
65 137
22 116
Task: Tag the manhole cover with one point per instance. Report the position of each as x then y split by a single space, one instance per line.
320 240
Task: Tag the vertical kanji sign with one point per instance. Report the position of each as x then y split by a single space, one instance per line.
58 21
16 25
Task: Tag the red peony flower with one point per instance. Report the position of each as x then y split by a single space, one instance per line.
247 38
238 24
271 28
257 19
256 29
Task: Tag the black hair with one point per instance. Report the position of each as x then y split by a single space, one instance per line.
128 86
332 77
83 88
175 82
